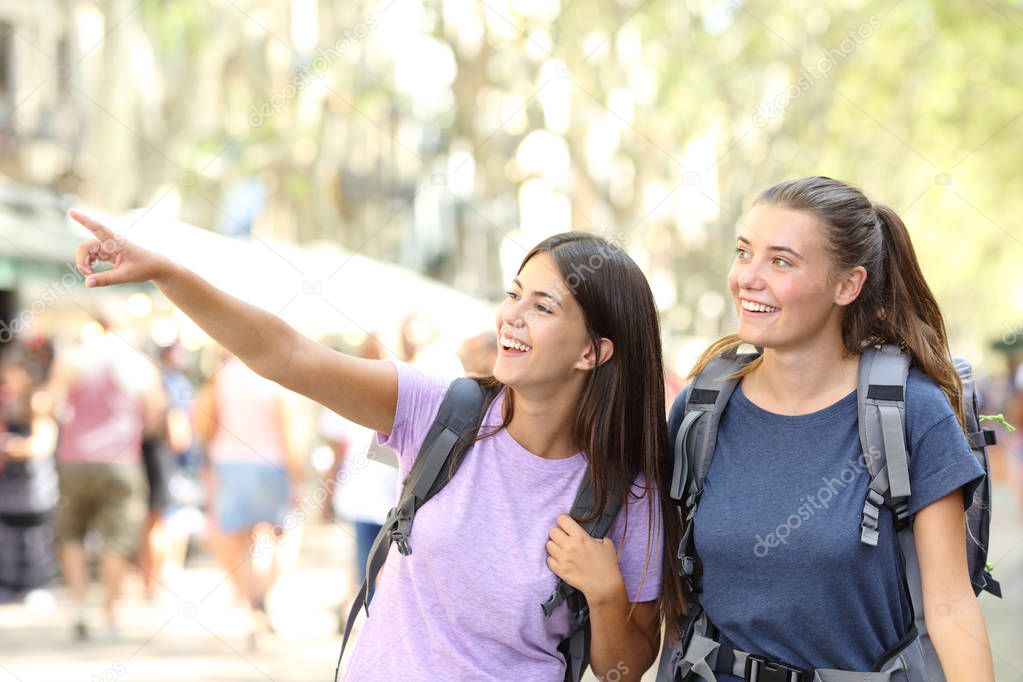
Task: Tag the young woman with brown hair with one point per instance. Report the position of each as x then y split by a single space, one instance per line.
821 273
581 389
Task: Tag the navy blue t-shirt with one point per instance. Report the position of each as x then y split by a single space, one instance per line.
778 527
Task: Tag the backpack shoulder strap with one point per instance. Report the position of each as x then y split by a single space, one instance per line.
706 399
575 648
695 441
458 420
881 408
597 527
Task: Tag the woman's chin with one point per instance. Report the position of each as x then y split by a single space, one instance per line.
502 375
753 337
747 335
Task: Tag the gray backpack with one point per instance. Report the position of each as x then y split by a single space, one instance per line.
457 423
698 652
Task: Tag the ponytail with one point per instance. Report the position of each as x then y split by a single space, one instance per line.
910 314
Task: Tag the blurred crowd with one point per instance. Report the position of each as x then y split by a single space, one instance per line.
120 456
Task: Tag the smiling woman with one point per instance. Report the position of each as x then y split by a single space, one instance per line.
577 377
578 396
821 275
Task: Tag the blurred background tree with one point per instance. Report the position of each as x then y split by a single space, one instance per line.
449 135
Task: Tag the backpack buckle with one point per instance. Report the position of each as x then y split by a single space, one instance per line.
400 538
687 571
759 669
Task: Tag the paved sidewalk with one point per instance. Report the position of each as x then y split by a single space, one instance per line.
194 634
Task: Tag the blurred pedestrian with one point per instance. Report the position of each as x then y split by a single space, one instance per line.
172 461
419 343
365 480
478 354
151 544
28 479
257 472
107 397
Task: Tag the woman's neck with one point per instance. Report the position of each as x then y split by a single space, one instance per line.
544 425
804 379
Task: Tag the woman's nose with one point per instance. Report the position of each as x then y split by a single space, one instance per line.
513 314
750 276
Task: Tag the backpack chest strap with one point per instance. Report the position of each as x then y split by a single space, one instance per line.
694 446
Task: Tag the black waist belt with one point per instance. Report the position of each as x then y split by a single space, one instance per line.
753 668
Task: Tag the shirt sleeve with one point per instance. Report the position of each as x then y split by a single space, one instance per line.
941 461
639 537
419 399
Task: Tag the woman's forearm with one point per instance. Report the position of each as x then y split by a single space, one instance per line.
258 338
960 638
618 641
365 391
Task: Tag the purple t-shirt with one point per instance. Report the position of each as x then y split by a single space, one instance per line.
465 604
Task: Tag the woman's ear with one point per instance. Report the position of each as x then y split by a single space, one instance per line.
590 358
850 285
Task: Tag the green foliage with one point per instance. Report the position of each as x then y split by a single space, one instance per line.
922 112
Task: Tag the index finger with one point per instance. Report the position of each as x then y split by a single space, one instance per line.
94 226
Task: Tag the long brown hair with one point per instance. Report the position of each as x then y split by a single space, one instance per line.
620 422
895 304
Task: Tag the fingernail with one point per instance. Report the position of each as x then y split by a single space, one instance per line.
91 282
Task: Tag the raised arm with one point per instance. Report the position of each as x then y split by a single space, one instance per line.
364 391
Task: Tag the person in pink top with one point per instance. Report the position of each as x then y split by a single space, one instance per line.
107 395
581 385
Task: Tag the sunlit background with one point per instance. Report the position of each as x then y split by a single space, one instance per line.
344 164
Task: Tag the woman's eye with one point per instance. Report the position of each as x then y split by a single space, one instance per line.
542 308
512 295
782 262
741 253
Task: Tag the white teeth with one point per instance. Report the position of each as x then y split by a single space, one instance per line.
752 306
512 343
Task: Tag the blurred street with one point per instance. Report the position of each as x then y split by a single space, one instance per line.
195 634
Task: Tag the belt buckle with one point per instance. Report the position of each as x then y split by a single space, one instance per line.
759 669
